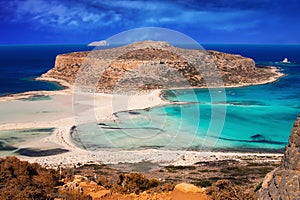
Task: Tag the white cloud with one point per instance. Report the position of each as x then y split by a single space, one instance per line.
91 17
73 23
60 15
128 14
99 43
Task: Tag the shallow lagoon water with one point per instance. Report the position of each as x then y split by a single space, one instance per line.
9 140
257 118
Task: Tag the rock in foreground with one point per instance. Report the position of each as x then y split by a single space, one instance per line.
284 182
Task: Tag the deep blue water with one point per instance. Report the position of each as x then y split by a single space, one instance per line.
19 65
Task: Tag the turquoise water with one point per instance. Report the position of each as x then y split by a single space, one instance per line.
37 98
257 118
254 118
250 118
252 111
9 140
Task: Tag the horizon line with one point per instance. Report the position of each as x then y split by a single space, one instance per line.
206 43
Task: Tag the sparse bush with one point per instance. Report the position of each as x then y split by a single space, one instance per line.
258 186
136 183
166 187
225 189
202 183
103 181
22 180
174 168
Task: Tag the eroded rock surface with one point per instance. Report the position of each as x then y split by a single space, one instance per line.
153 65
284 182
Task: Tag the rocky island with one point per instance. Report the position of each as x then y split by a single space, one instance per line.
157 65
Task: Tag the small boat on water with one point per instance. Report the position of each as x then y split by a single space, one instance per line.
285 60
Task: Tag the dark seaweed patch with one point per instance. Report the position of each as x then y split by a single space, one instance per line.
254 141
5 147
151 146
243 103
39 153
38 130
258 137
133 113
102 124
138 128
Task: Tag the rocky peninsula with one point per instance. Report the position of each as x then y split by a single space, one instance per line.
157 65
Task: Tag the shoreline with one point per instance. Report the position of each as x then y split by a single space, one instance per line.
69 87
61 82
160 157
272 79
62 136
23 95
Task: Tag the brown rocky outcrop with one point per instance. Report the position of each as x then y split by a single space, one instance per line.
152 65
284 182
131 186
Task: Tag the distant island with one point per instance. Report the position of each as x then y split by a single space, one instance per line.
160 62
99 43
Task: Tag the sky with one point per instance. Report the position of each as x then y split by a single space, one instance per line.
206 21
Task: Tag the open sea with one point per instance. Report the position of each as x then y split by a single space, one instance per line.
258 118
20 64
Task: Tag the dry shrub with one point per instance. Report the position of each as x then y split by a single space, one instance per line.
165 187
104 181
225 189
135 183
22 180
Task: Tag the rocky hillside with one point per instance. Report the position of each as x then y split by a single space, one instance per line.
284 182
152 65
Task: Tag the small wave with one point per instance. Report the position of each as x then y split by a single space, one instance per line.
242 103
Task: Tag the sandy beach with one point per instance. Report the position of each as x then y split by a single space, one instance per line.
60 113
57 113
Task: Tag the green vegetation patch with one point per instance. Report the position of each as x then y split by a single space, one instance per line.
37 98
179 167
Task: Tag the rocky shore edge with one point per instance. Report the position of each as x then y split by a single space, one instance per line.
284 181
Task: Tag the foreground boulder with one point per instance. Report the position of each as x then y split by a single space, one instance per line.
188 192
284 182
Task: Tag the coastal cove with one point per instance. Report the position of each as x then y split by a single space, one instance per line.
258 118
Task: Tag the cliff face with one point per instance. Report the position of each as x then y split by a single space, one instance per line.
151 65
284 182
